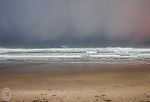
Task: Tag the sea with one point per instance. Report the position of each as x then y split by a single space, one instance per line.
77 55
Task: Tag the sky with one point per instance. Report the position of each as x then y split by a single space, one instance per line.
74 23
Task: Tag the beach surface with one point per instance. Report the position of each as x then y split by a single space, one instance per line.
72 82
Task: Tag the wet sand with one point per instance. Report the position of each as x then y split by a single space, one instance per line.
62 82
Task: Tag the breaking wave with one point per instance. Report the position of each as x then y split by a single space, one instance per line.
84 54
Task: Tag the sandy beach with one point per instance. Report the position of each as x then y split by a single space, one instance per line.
74 50
61 82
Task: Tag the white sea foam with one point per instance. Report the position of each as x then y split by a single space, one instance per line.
77 53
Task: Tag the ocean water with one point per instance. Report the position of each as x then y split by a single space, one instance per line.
94 55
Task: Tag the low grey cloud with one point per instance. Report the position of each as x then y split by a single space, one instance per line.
44 23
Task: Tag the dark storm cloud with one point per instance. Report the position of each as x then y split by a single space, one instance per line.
74 22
